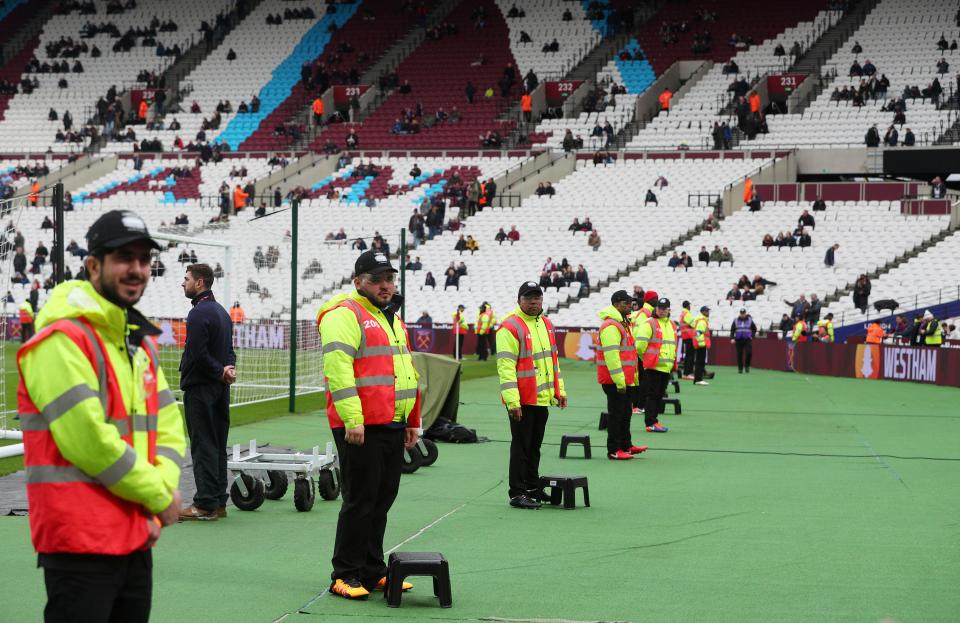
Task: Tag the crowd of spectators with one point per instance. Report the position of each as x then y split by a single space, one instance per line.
746 289
562 274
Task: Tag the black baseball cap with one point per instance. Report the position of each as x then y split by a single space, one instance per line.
373 262
743 310
529 288
620 296
663 303
704 309
117 228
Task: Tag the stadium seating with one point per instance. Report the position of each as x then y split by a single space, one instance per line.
438 72
544 23
901 41
692 116
379 25
927 279
635 76
870 234
25 125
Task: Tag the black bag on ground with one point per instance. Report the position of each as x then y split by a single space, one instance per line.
450 432
883 304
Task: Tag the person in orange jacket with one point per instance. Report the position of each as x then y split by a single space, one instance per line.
317 109
664 99
747 191
34 197
754 102
875 333
239 198
142 110
526 105
237 315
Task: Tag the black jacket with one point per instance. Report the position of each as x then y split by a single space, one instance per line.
209 346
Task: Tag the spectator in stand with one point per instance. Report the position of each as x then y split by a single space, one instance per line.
513 234
424 318
831 259
716 255
415 171
872 139
943 66
472 245
703 256
575 226
861 293
785 326
461 244
429 281
798 307
856 70
819 205
726 256
650 198
813 311
359 245
804 240
938 190
909 139
414 264
452 278
501 236
594 240
685 260
767 241
755 203
733 294
759 284
806 220
674 261
891 136
586 225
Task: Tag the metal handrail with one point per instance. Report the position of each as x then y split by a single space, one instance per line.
920 300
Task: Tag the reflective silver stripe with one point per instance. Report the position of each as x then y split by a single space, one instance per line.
606 349
165 399
654 340
154 356
339 346
100 356
668 360
32 422
519 327
506 386
369 381
404 394
546 354
616 371
170 453
120 468
353 305
43 474
67 400
378 351
343 394
543 386
522 374
123 426
505 354
144 423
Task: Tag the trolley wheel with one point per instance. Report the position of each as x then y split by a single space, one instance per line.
303 495
276 486
328 484
412 460
432 451
254 497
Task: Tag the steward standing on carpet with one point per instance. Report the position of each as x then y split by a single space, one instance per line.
460 329
617 375
207 370
742 331
529 371
701 343
637 319
687 333
483 328
373 406
657 344
102 434
26 321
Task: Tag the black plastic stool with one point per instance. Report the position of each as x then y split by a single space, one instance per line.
564 489
676 385
583 440
402 565
671 401
603 421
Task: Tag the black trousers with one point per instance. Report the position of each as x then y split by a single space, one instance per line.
744 353
526 438
654 387
207 410
89 588
370 481
491 342
619 411
699 363
26 332
460 338
639 396
688 357
482 347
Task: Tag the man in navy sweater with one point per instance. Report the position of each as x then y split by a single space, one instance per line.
207 369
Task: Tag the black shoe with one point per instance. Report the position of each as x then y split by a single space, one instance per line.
739 370
748 370
539 495
522 501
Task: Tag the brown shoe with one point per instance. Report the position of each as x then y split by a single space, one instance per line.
192 513
222 512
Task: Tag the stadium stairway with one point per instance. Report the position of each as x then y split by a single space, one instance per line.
20 23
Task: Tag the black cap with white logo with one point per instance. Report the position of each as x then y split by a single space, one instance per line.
663 303
117 228
529 288
373 263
